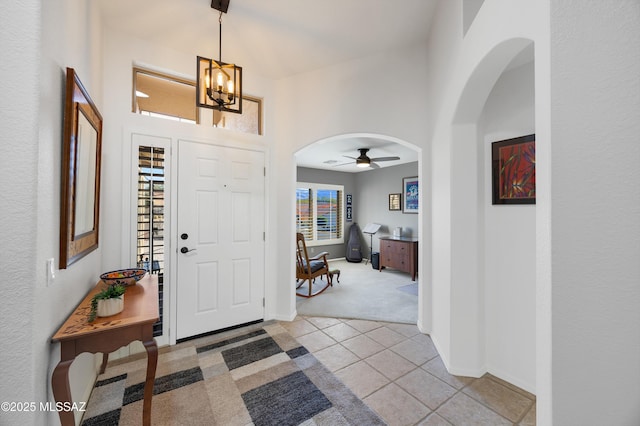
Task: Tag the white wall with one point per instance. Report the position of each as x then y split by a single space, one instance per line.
311 110
464 70
19 26
587 228
595 215
509 243
121 53
43 38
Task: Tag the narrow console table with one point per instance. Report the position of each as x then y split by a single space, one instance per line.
106 335
399 253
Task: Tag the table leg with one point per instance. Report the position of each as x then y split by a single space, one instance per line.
105 360
62 390
152 361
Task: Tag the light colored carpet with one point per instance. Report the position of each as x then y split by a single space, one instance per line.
364 293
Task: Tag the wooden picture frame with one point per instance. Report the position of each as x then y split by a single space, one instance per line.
411 192
395 202
80 183
514 170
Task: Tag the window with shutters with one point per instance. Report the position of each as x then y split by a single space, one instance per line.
319 213
150 217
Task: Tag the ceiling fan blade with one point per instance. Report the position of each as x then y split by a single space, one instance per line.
374 165
343 164
385 158
348 156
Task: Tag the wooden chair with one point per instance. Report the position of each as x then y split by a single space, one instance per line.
308 268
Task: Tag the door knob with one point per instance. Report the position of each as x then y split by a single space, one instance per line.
185 250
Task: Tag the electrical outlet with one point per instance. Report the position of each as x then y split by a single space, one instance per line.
51 273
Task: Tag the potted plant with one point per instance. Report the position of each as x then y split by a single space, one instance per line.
107 302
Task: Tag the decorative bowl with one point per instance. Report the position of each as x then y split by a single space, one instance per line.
123 276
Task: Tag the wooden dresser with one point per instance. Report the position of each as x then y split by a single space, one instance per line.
399 253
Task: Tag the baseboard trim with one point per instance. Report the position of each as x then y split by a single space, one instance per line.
286 318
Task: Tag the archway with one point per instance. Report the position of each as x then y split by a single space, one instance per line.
372 206
469 335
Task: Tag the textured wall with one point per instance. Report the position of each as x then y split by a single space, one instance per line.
595 214
509 240
19 40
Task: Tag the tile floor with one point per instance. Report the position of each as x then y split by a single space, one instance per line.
397 371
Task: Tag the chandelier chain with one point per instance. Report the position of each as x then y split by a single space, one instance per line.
220 37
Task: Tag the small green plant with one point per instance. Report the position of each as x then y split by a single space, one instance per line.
112 291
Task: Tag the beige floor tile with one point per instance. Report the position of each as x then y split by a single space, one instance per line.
363 346
362 379
299 327
424 338
336 357
407 330
285 341
316 341
275 329
501 399
385 336
434 419
437 368
322 322
511 386
363 325
342 331
530 418
464 410
396 406
390 364
418 352
430 390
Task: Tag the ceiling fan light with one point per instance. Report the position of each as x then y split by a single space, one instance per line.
362 164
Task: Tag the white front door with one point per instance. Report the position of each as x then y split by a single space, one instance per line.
220 245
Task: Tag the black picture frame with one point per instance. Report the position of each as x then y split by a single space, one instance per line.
513 165
395 202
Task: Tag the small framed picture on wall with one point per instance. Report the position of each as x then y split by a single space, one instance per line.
394 201
514 170
411 189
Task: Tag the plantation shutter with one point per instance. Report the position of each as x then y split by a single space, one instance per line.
304 212
150 218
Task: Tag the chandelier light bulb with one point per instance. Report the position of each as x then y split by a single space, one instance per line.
220 81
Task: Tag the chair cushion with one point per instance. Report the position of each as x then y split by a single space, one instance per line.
316 265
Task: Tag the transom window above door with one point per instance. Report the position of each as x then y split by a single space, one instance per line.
165 96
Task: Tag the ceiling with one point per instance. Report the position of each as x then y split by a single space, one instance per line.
333 154
280 38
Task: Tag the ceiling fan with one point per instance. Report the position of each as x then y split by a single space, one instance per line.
364 161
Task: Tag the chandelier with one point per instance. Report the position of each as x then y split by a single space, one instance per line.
219 84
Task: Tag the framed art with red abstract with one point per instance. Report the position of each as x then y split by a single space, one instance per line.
514 170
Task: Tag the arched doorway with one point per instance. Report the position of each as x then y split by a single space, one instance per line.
483 313
331 160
